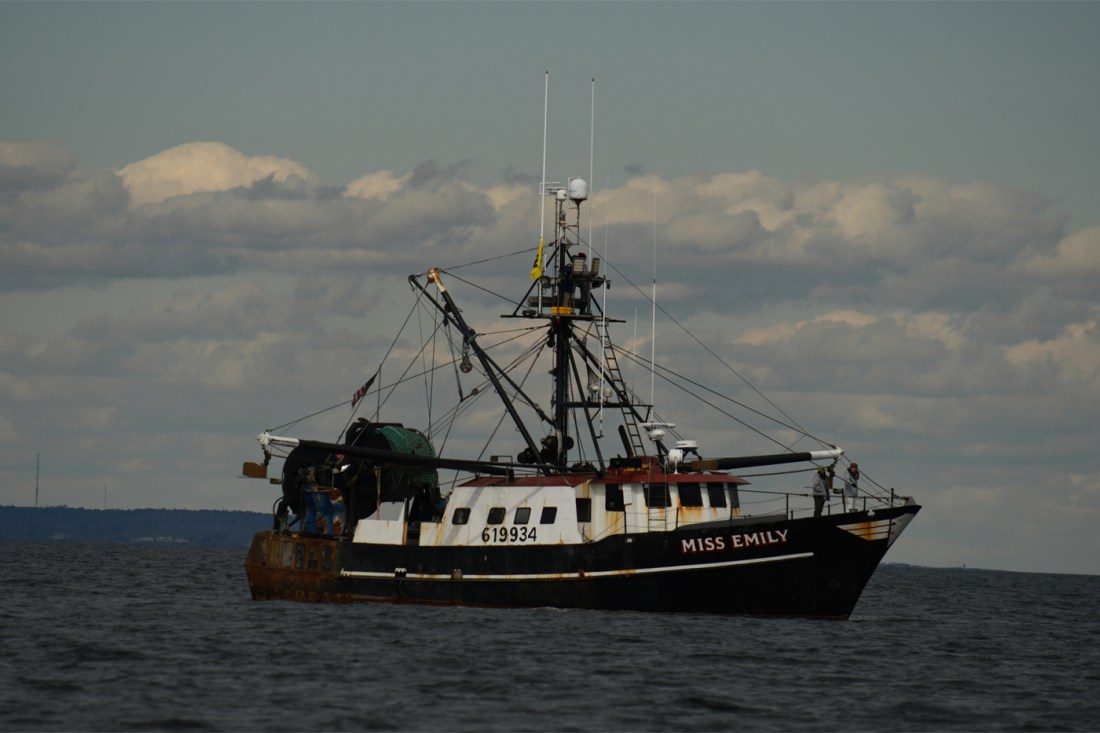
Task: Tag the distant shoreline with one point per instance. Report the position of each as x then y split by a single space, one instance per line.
131 526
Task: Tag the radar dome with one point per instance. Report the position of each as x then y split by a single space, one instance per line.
578 189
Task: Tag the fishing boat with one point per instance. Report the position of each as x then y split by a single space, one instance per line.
601 502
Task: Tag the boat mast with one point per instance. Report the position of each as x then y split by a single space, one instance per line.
562 296
561 330
572 274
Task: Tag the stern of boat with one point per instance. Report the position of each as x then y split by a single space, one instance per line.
295 567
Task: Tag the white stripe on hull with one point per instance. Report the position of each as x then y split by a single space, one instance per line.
398 572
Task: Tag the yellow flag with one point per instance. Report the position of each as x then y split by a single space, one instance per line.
536 271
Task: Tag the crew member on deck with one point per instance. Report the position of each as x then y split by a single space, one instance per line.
821 490
851 488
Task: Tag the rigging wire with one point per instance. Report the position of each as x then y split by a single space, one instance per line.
306 417
405 377
642 361
882 490
710 351
385 356
532 351
402 378
452 268
452 415
477 287
429 377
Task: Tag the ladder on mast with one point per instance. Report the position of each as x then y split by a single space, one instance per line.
611 364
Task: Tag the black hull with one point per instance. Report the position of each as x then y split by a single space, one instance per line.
814 567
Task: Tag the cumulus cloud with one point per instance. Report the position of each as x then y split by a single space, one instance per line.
1076 352
378 185
30 165
1075 256
204 166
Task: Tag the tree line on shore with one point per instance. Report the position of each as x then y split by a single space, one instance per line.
183 526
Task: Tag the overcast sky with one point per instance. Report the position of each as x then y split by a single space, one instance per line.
883 214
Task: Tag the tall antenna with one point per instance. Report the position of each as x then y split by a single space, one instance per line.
591 258
591 163
542 192
653 318
536 270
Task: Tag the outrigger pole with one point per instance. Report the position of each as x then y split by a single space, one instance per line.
379 455
725 464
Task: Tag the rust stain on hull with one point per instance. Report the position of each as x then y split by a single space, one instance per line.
870 530
295 568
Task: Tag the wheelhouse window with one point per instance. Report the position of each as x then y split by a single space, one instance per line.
496 515
657 495
549 514
584 510
461 515
523 515
690 494
613 498
734 499
717 495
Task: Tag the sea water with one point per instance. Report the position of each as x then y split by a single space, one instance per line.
152 637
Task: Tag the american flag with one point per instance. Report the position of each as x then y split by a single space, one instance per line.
361 392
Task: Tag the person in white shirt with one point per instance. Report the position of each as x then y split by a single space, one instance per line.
821 490
851 488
